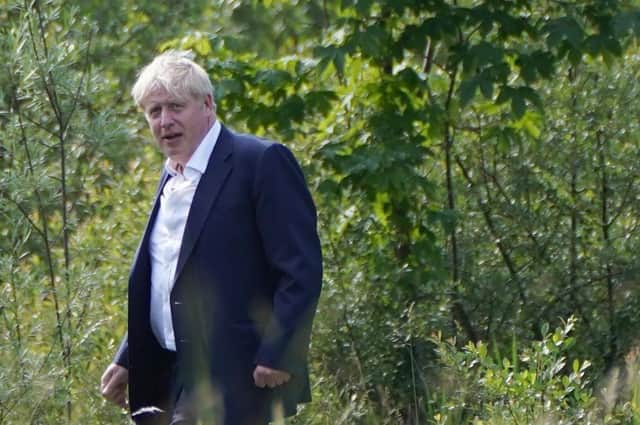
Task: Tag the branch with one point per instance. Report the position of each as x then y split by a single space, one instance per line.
506 257
25 213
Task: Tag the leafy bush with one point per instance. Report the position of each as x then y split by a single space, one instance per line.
538 383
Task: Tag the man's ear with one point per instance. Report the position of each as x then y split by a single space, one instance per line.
209 103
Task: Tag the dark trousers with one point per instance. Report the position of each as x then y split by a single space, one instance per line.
181 413
184 410
179 410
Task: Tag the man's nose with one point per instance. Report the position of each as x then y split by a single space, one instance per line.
166 119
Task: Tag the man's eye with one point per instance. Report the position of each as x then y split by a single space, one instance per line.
175 106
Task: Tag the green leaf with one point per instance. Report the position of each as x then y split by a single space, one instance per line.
272 79
530 124
381 207
510 25
363 6
339 61
329 186
228 87
613 46
531 95
544 329
504 95
544 63
330 54
414 37
565 29
528 68
467 91
486 88
320 101
435 27
608 58
293 108
575 56
487 53
518 106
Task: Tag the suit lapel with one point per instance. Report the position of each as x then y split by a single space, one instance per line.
211 182
143 251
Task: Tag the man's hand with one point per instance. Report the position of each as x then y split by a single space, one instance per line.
266 377
113 384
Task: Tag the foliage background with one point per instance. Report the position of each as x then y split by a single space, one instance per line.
474 165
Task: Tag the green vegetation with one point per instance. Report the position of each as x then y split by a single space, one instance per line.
475 165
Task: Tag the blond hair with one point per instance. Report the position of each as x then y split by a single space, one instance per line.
175 72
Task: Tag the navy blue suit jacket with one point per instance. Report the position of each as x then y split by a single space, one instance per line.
247 283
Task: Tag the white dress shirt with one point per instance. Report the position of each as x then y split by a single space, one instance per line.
166 235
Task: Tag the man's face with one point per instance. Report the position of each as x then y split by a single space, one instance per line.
178 124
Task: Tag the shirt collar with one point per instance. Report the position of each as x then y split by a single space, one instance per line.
197 164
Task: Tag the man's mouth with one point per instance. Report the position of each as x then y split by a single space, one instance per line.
169 137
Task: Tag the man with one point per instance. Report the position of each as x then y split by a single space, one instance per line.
225 282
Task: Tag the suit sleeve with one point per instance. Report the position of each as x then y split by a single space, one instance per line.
286 218
122 355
